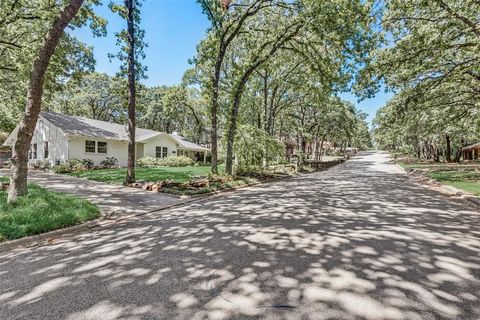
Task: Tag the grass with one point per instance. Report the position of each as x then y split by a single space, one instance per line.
214 186
465 180
415 165
41 211
461 176
117 176
177 174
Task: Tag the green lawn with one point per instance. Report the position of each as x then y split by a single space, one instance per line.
117 176
462 176
464 180
414 165
41 211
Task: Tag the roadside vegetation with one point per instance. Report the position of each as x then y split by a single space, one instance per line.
187 180
267 72
431 65
464 176
41 211
117 176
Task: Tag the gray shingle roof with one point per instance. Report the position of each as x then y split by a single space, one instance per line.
108 130
472 147
187 144
95 128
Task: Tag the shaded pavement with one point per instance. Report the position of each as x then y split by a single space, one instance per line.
360 241
111 198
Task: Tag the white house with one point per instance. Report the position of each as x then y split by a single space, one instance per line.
58 138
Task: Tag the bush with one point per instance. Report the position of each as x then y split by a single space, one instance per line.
41 164
203 164
246 171
109 163
176 161
148 162
73 162
171 161
79 168
6 164
62 168
88 163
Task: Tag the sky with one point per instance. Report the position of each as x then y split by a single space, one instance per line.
173 28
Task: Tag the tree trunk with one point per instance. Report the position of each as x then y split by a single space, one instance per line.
321 148
271 116
265 102
130 178
232 130
18 180
436 154
449 148
214 110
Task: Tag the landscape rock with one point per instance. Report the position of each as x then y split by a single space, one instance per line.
147 186
203 183
137 185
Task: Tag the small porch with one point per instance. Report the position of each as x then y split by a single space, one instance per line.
471 152
195 154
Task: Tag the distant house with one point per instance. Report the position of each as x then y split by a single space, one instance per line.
471 152
59 138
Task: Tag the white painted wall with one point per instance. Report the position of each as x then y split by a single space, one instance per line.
57 142
117 149
63 147
160 141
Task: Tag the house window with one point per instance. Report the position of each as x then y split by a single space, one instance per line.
34 156
101 147
161 152
90 146
45 150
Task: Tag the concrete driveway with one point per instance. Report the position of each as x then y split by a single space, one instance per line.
110 198
360 241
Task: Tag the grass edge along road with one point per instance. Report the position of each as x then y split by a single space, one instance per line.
465 177
40 211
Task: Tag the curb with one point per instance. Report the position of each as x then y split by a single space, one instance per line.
47 237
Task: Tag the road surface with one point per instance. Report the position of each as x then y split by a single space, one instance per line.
360 241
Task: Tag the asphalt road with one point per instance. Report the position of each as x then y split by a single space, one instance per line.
360 241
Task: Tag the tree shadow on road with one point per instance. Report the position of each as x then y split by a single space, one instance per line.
355 242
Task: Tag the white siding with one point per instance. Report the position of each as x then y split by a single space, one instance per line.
159 141
117 149
57 142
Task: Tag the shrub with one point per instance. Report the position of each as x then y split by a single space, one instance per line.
171 161
252 146
245 171
73 162
109 163
148 162
41 164
203 164
88 163
176 161
62 168
6 164
79 168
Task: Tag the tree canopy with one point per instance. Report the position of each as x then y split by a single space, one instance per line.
432 64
